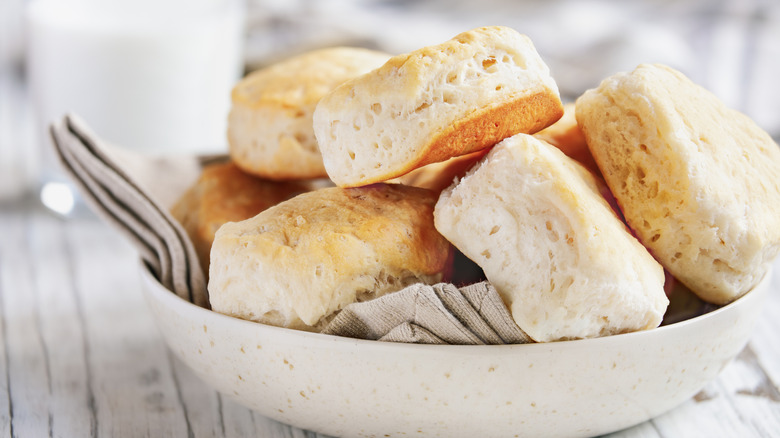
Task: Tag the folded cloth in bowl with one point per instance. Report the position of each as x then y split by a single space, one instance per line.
133 193
438 314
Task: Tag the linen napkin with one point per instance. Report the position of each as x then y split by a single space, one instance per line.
438 314
117 185
133 193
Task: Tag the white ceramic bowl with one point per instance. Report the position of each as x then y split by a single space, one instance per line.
347 387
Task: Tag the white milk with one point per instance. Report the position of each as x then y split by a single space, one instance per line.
149 75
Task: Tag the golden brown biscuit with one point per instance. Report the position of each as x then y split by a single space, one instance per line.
224 193
270 122
433 104
564 263
297 263
698 182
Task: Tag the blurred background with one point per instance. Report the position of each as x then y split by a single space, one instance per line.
731 47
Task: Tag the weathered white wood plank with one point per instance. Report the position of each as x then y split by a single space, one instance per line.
644 430
134 392
200 403
5 400
62 331
27 359
267 427
708 414
239 421
766 337
749 390
5 377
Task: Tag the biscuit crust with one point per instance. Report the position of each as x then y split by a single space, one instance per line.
297 263
270 130
433 104
564 263
698 182
224 193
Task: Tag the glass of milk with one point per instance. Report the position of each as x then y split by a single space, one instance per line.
153 76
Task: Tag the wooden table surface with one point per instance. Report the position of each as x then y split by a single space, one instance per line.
80 355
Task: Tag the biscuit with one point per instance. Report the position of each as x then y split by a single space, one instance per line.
699 183
223 193
296 264
435 103
565 265
270 122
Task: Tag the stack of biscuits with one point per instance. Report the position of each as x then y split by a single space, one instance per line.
577 214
